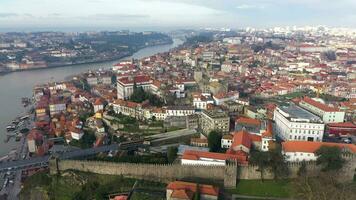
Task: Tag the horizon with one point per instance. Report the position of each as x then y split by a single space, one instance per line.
172 14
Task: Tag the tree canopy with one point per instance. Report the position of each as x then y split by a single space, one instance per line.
330 158
214 141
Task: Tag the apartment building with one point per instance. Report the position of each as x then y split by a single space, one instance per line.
214 120
295 123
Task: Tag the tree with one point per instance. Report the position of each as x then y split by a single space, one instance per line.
277 163
214 141
172 154
330 158
261 159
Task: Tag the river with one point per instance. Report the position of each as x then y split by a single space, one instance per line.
15 85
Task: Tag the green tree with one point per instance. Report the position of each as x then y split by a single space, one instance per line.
277 163
261 160
330 158
172 154
214 141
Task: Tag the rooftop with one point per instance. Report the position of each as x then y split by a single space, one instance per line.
297 112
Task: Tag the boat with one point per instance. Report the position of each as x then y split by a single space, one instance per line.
11 128
24 117
25 101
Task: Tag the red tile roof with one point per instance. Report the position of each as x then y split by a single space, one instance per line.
196 155
193 187
250 121
311 147
319 105
136 79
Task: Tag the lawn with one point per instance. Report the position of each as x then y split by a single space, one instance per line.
268 188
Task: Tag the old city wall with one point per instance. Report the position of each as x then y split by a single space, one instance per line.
156 172
228 174
345 174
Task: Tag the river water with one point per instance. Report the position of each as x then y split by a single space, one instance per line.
15 85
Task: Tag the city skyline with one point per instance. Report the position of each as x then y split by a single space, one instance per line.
157 14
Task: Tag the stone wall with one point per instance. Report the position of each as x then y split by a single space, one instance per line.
228 174
155 172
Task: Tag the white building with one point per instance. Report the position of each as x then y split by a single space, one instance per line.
179 110
125 85
76 134
191 157
327 113
222 97
297 151
295 123
201 101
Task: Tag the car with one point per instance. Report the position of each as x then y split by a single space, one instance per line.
346 140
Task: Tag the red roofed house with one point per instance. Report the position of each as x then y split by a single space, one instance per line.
125 85
36 144
98 105
341 129
191 157
179 190
327 113
296 151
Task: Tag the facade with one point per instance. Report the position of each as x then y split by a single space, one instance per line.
214 120
201 101
179 111
125 85
128 108
297 151
327 113
56 107
295 123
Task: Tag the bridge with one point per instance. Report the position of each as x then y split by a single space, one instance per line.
38 162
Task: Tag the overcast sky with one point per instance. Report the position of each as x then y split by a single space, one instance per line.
175 13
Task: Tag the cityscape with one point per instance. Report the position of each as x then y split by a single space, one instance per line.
173 110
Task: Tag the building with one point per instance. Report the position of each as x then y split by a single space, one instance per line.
191 157
179 111
179 190
295 123
56 106
251 125
201 101
36 142
125 85
128 108
343 129
214 120
326 113
222 97
296 151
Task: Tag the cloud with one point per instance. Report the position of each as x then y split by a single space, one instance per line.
249 6
118 16
6 15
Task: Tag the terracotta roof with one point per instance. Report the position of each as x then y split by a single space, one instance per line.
196 155
246 120
193 187
311 147
342 125
136 79
241 138
269 130
182 194
319 105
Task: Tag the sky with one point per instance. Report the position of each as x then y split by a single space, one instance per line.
156 14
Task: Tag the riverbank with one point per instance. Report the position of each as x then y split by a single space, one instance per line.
14 86
87 62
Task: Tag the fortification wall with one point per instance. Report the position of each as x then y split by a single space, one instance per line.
156 172
229 174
